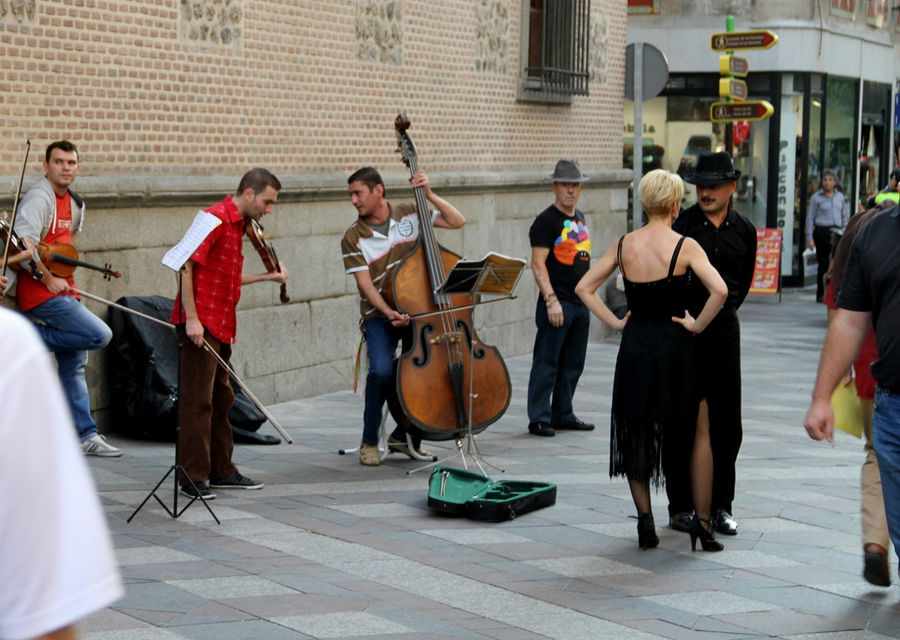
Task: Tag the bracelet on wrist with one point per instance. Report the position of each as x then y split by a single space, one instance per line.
548 297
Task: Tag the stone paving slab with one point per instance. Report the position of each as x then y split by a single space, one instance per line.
331 549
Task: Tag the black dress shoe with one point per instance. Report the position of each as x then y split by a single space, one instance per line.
875 569
681 521
576 425
541 429
724 523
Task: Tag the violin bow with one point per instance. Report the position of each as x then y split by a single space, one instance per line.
221 361
461 307
12 219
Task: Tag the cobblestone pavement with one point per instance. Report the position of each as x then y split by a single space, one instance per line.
332 549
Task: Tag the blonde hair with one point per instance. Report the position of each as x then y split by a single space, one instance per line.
658 190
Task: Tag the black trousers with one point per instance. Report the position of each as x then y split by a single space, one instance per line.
718 352
822 239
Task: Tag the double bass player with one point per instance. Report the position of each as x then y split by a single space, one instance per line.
372 248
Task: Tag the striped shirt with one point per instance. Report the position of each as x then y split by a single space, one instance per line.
364 248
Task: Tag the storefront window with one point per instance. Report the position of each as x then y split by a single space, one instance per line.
676 130
840 125
816 97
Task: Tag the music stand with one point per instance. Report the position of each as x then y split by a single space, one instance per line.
175 259
494 274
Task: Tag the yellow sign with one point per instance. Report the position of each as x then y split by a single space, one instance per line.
733 88
732 111
733 66
730 40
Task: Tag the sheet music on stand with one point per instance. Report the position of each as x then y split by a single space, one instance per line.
201 227
495 273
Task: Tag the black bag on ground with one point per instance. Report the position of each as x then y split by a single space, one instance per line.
142 365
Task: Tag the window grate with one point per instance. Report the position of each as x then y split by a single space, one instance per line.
559 37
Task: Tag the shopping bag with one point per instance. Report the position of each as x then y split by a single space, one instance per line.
847 411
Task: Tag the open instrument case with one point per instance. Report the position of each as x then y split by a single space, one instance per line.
461 492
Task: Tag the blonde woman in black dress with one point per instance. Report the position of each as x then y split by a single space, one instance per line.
655 401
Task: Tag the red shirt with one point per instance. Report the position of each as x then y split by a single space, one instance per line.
218 264
31 293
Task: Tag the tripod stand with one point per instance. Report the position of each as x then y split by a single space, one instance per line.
494 274
176 467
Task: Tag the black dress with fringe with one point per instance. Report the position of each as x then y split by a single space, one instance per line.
654 405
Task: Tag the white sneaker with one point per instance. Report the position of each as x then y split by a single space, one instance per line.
98 446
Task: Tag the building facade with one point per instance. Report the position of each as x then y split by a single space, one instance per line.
170 101
830 78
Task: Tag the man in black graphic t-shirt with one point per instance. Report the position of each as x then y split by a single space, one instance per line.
560 255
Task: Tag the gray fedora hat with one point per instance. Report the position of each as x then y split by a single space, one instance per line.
713 169
568 171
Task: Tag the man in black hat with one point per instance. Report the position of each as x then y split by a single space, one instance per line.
560 255
729 240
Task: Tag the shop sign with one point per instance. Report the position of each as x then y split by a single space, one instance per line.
740 132
637 7
768 260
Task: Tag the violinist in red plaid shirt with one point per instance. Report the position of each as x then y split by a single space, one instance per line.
210 290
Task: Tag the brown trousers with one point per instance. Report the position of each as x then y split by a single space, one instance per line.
874 521
205 397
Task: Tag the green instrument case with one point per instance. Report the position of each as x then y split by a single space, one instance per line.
461 492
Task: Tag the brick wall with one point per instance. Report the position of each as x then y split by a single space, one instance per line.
299 86
169 106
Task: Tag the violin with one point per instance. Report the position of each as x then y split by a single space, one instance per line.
11 239
61 258
266 251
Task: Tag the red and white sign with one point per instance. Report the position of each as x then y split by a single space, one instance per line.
768 262
740 131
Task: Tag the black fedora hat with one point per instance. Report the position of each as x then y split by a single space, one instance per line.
713 169
567 171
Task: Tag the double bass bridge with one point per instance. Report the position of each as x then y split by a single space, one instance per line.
449 337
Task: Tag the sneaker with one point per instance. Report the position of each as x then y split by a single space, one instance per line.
368 455
202 491
541 429
235 481
98 446
398 446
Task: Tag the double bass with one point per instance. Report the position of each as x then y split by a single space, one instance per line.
447 381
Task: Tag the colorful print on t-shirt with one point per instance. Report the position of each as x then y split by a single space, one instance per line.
573 240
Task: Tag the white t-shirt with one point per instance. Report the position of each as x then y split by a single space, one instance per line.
56 557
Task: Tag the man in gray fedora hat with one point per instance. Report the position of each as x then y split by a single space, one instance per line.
729 240
560 255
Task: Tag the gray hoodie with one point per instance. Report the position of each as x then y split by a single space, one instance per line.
36 217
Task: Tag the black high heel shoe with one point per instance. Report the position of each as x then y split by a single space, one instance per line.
707 538
646 528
